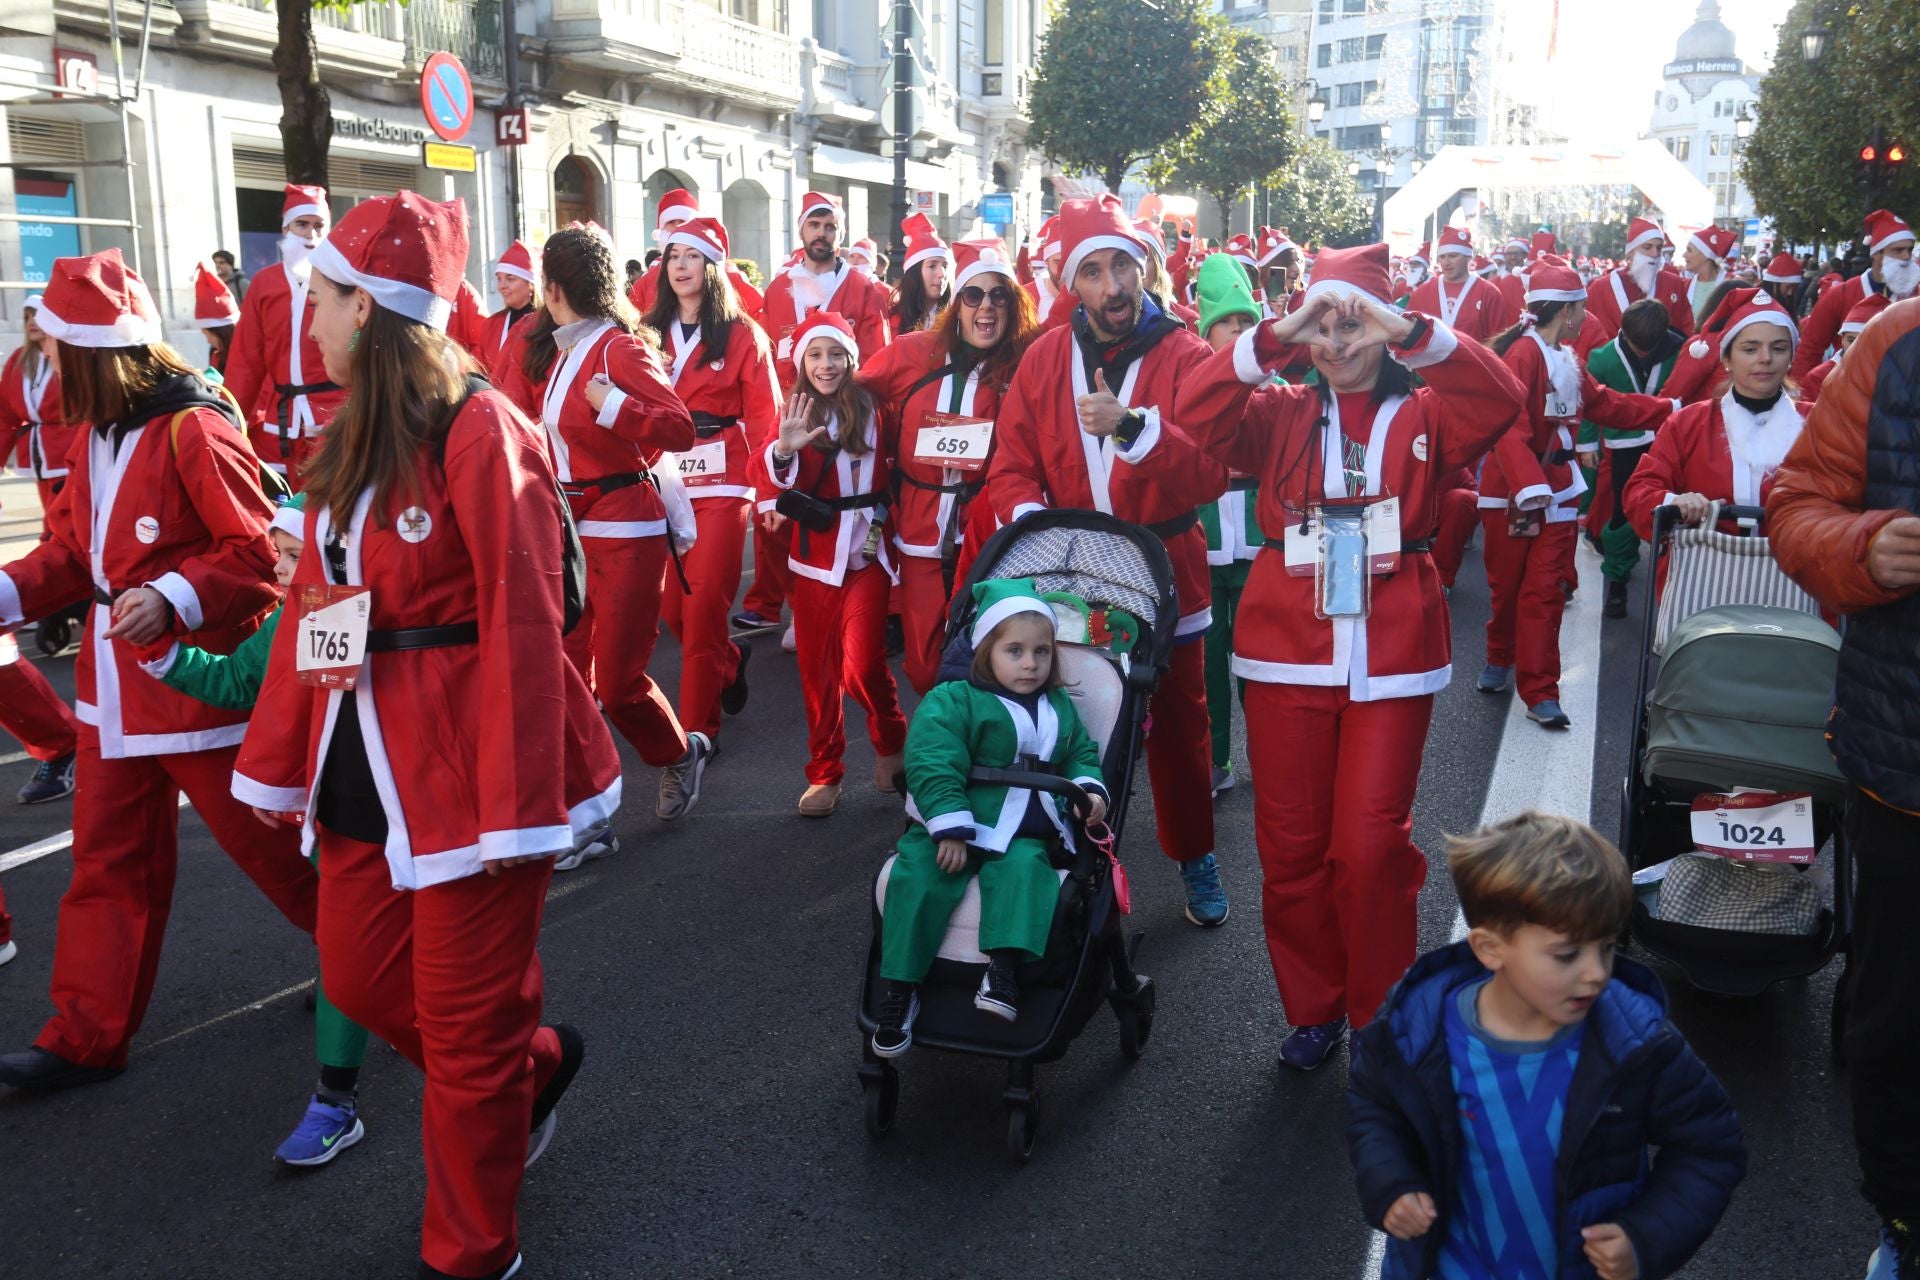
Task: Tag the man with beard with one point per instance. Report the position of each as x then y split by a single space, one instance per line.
820 281
1893 275
1642 275
274 370
1087 424
1462 300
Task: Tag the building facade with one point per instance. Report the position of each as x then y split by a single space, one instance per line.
1705 93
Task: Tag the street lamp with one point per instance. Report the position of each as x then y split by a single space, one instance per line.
1813 42
1416 165
1316 101
1353 168
1743 124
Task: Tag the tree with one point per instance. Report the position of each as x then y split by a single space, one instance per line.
1244 141
1119 79
306 109
1318 203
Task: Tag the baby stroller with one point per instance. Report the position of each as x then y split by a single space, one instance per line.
1089 958
1728 886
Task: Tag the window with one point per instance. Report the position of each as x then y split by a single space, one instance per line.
993 32
1326 8
1682 149
1326 56
1719 144
1354 92
1351 49
1353 6
1376 45
1360 137
1290 54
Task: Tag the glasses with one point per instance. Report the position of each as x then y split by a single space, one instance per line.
973 295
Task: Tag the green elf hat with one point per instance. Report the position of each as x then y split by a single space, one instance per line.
291 518
1222 291
998 599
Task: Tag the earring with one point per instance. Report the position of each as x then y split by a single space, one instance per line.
353 341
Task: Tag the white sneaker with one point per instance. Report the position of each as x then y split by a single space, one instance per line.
787 641
597 843
8 950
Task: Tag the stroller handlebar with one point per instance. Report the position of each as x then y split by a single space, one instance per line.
1075 794
1667 516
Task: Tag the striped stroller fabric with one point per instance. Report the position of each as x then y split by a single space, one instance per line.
1706 567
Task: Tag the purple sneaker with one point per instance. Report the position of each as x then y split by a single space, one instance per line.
1305 1048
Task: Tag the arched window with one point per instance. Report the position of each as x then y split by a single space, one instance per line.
576 192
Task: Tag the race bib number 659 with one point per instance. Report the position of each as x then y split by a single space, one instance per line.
948 440
330 640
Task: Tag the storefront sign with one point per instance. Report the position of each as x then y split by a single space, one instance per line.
1703 67
405 135
510 127
446 95
448 156
76 72
996 207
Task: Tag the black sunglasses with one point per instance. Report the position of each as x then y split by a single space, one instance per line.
973 295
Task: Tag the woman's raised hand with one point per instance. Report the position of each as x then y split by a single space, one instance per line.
795 434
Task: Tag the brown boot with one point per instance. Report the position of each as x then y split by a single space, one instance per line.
820 800
889 771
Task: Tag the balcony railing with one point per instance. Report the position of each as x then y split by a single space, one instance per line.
692 40
468 29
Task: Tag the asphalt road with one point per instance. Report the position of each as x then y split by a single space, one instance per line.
715 1129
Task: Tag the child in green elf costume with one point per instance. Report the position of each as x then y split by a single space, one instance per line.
1011 713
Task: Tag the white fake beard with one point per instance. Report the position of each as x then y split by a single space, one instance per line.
1645 271
1902 276
296 254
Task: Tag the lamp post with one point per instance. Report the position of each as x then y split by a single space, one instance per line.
1813 42
1316 101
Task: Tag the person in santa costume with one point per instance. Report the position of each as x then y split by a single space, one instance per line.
273 370
516 278
1726 450
961 368
467 752
163 520
830 476
722 369
1155 279
593 375
677 208
923 292
1530 489
33 424
1089 423
1046 289
215 314
1456 297
1892 272
1338 698
1709 253
1782 277
468 327
1857 319
1277 259
1644 274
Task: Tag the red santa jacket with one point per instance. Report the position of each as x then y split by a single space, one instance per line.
925 501
826 471
1415 445
1477 309
33 426
181 512
1513 289
647 288
1697 452
641 419
853 298
1815 379
493 337
1609 296
1043 459
273 348
1534 459
1822 325
479 751
468 325
739 389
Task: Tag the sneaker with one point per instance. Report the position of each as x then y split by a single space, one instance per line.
1206 899
787 641
999 993
597 843
8 950
1616 602
323 1133
1898 1257
1548 715
733 698
1222 779
1305 1048
749 621
1495 679
573 1048
507 1272
50 781
680 783
899 1006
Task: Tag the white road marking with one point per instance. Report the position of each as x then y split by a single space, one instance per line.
42 848
14 757
261 1003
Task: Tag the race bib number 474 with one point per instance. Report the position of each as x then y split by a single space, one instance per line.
331 634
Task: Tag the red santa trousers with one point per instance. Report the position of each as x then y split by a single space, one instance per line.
1523 579
841 633
1180 755
126 823
1333 784
31 711
922 600
1459 514
449 976
614 643
698 618
772 578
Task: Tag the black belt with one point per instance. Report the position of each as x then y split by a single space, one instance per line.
101 597
1557 457
288 390
604 485
394 641
850 502
711 424
960 487
1175 527
1243 484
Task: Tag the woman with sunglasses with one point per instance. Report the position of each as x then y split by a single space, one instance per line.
958 369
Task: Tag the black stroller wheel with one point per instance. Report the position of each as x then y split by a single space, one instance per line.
1135 1014
882 1101
1023 1126
52 636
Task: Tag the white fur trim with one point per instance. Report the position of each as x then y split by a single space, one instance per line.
1091 244
508 269
1795 278
680 235
1902 236
1246 364
128 330
302 211
1464 250
1143 443
1441 343
1772 315
290 521
408 300
937 251
261 796
1706 249
978 269
1643 238
610 408
676 213
10 612
622 528
818 206
1556 295
180 594
1339 289
217 322
159 667
847 341
1000 610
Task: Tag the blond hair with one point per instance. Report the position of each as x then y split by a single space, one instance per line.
1543 869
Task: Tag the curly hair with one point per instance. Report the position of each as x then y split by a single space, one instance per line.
580 261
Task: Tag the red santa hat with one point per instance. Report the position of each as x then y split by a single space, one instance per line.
1047 243
98 301
678 205
1271 243
1540 244
1758 307
405 250
974 258
1552 279
1783 269
519 260
303 202
1420 255
1344 272
1644 231
1240 249
921 240
213 304
1455 240
1886 229
1151 236
1483 265
1516 243
1717 243
817 202
863 250
1087 226
1861 314
824 324
705 234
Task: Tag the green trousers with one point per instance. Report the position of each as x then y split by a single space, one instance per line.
338 1041
1018 890
1619 544
1228 581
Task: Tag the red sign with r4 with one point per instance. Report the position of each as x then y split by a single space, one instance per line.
510 127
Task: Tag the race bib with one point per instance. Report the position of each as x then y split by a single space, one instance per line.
1755 826
948 440
1383 536
704 462
331 634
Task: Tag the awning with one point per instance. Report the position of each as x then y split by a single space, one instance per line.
865 166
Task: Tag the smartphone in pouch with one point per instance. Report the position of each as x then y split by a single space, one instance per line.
1525 524
1344 580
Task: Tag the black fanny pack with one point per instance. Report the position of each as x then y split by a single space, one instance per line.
706 425
817 514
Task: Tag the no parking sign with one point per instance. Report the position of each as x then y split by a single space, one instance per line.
446 96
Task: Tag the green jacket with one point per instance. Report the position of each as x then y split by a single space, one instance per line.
1608 365
229 680
959 725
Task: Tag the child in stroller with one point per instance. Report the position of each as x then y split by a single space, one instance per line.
1011 713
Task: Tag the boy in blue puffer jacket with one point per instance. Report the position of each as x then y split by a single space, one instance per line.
1501 1107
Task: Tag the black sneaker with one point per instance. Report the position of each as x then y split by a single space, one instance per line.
733 698
680 781
896 636
50 781
750 622
505 1273
999 993
1616 604
573 1048
899 1006
43 1072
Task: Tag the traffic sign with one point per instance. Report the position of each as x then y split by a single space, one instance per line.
449 157
510 127
997 207
446 96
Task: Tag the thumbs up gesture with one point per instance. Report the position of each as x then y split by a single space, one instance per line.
1100 410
